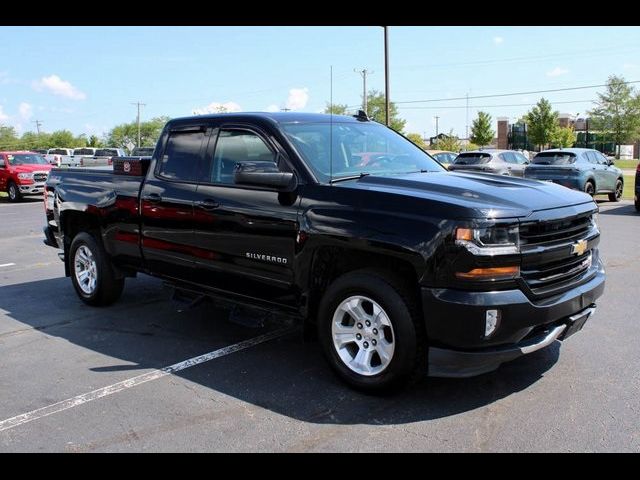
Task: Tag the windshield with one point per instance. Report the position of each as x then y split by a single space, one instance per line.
27 159
106 152
472 158
554 158
143 151
351 149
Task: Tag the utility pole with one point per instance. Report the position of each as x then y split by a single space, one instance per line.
467 126
38 123
437 118
364 72
138 118
386 77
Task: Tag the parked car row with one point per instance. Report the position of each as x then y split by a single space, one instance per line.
576 168
84 156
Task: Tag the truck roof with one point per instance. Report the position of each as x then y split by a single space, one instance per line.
15 152
277 117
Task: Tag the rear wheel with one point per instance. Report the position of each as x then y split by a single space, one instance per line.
371 331
590 188
617 193
92 273
14 192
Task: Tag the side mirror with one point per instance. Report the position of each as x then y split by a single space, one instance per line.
264 174
610 162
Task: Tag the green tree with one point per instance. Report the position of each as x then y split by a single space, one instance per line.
450 143
376 107
31 140
336 108
62 139
563 137
617 111
417 139
481 132
126 134
542 123
8 138
94 141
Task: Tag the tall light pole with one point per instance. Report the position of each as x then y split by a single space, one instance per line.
138 119
386 77
437 118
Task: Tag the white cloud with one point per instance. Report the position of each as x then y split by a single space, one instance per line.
5 78
3 116
217 107
498 40
556 72
272 108
298 98
54 84
26 110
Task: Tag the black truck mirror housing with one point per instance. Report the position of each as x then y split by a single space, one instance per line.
264 174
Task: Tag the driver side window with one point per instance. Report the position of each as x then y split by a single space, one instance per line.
237 146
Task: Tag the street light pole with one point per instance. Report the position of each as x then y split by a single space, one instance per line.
386 77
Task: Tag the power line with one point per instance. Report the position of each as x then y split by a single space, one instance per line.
512 94
439 107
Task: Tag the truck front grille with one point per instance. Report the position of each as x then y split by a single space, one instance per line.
40 177
547 279
540 233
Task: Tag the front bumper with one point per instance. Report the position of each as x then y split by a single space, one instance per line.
455 323
33 189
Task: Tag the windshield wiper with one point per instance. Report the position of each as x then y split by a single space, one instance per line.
351 177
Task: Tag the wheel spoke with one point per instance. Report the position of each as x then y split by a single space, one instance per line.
343 338
362 360
355 310
385 350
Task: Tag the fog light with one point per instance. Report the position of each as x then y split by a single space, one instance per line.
492 320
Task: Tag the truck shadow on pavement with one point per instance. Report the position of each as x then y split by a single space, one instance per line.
286 376
626 210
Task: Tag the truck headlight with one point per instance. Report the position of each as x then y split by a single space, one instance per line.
489 241
25 176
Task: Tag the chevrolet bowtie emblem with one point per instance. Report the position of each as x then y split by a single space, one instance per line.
579 247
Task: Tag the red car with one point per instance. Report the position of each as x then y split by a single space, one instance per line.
22 173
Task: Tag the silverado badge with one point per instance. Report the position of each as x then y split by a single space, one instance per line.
579 247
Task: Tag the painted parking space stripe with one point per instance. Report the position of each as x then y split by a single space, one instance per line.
138 380
7 265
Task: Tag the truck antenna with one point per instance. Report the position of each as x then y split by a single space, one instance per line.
330 124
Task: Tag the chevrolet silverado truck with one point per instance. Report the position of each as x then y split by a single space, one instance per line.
22 173
400 267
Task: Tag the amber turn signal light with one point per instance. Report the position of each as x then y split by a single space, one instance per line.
492 273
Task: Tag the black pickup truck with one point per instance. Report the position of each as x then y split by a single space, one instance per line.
403 267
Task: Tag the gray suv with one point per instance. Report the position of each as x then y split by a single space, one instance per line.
500 162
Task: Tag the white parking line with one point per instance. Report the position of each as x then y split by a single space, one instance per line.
138 380
7 265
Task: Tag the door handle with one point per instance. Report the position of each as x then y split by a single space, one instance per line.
152 198
207 204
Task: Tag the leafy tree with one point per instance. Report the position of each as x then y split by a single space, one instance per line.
563 137
336 108
481 132
126 134
94 141
63 138
450 143
376 107
542 123
617 111
8 138
31 140
417 139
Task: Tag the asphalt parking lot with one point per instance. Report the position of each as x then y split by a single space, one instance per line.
80 379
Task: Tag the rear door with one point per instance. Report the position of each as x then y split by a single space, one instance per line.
167 200
609 173
4 172
518 163
599 172
245 235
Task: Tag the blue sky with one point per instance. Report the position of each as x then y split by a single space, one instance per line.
85 78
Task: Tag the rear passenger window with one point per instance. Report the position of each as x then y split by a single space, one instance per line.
237 146
508 157
180 159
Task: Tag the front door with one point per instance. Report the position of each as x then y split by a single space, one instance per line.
167 203
247 234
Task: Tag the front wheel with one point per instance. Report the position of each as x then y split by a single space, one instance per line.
616 196
590 188
14 193
371 331
92 274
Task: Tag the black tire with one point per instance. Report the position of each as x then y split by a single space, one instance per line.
409 360
590 188
616 195
14 193
108 287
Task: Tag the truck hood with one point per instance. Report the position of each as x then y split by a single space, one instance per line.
475 195
30 168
